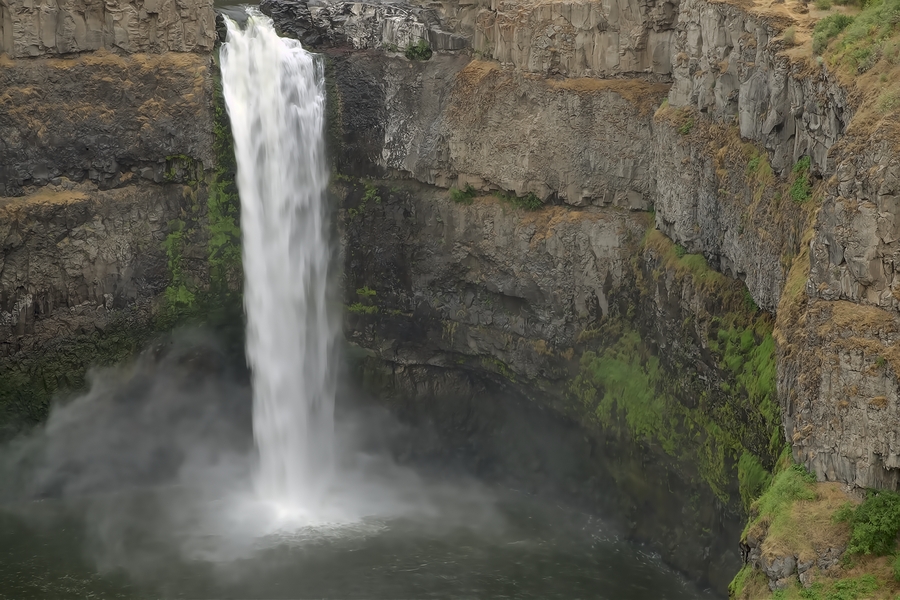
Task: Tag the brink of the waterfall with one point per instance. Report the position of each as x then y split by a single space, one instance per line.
274 92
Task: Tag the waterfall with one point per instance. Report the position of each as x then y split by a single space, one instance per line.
274 93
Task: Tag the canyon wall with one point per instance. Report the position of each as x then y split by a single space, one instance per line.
769 276
753 137
709 273
106 162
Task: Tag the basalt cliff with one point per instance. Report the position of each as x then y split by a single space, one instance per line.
660 235
109 182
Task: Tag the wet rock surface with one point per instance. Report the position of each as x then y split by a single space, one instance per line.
484 292
106 143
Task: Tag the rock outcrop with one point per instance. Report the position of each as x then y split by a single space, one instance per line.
579 39
70 247
839 374
31 29
392 25
730 63
716 194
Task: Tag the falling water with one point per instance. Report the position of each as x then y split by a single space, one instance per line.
274 92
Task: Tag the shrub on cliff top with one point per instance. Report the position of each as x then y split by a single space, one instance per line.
866 37
790 36
875 523
827 29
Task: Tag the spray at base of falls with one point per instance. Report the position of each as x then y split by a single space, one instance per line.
275 95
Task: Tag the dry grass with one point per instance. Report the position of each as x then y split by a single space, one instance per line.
811 530
879 566
846 316
873 91
485 79
793 296
646 96
756 587
475 72
12 207
869 326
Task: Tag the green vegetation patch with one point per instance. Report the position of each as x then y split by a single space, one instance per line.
418 51
862 40
773 508
827 29
875 523
370 193
217 301
753 478
463 196
625 384
801 187
726 434
366 303
851 588
530 201
358 308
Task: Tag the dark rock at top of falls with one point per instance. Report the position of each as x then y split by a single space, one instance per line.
361 25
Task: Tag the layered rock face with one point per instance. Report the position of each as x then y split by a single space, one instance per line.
577 39
105 155
30 29
488 268
72 249
708 201
447 122
842 406
108 119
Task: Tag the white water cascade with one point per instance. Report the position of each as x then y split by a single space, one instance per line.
274 92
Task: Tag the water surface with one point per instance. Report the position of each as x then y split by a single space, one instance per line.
527 550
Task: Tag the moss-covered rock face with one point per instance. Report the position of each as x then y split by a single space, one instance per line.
666 365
